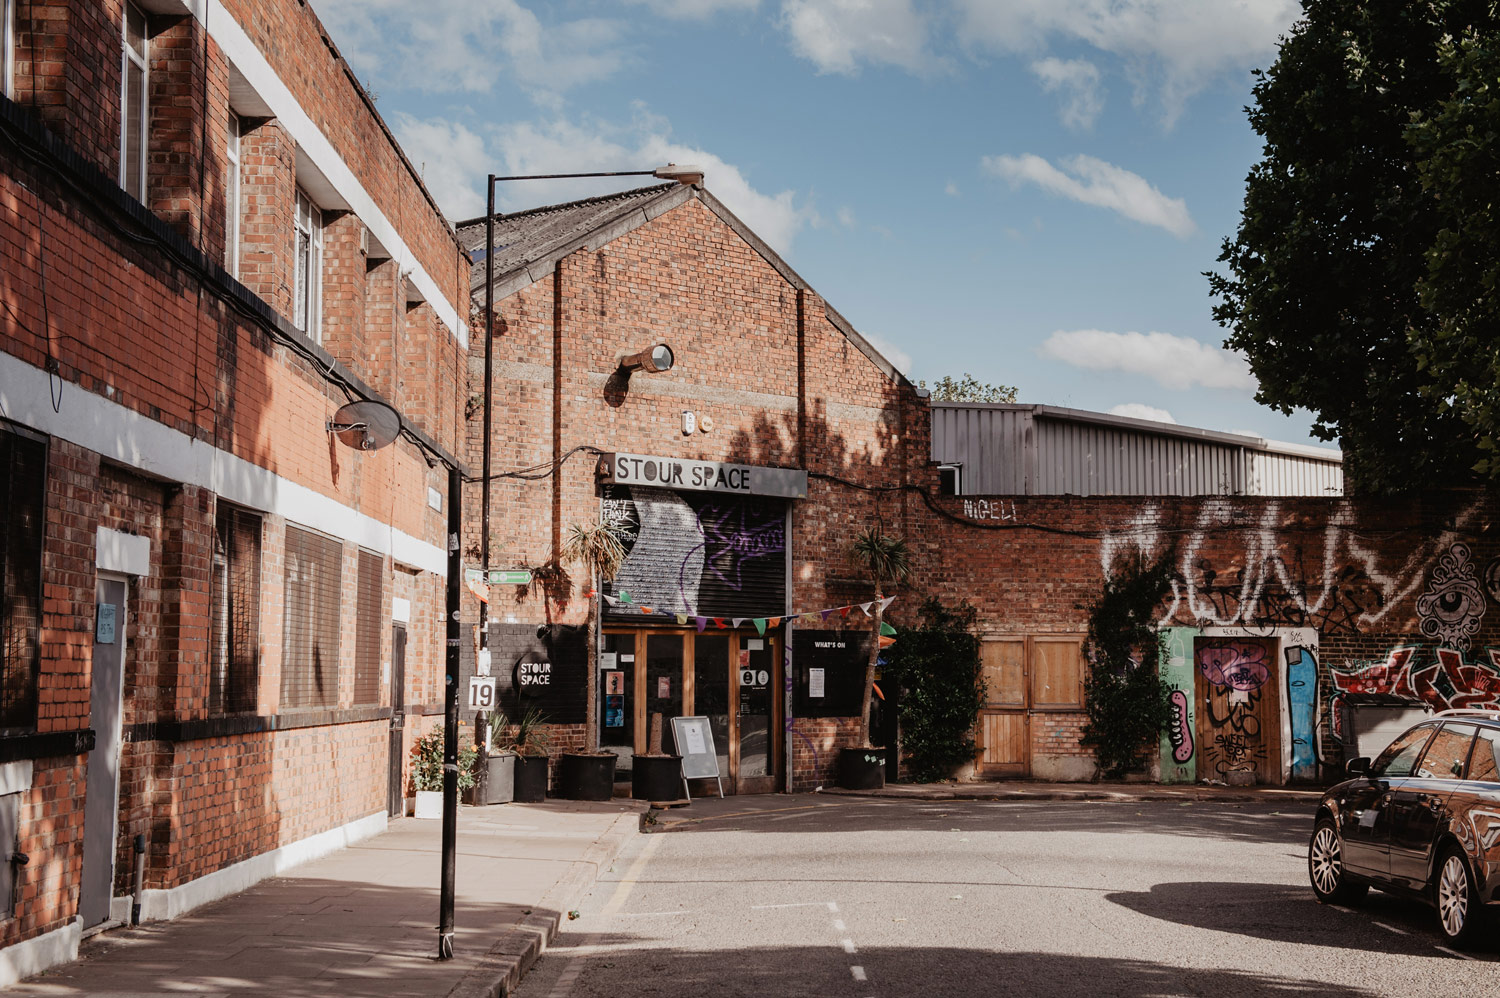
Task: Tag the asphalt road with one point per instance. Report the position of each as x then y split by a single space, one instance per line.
809 895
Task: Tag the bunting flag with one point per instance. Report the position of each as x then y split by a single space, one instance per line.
875 688
682 620
844 612
774 621
738 622
647 609
866 608
719 623
702 622
624 596
887 629
810 618
760 626
827 613
886 641
886 602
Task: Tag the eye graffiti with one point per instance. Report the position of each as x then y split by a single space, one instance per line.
1492 579
1453 605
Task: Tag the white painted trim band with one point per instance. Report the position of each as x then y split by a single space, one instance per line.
163 905
15 777
39 953
123 435
117 551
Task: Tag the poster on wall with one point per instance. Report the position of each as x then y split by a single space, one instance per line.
614 710
697 554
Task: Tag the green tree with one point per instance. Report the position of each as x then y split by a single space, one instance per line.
937 666
1322 291
887 560
968 389
1458 152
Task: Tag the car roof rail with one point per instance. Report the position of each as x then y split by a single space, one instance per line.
1492 713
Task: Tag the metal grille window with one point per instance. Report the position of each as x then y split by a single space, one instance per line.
134 67
308 291
232 197
367 629
23 473
234 675
310 661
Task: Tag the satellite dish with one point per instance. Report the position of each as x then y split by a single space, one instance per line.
365 425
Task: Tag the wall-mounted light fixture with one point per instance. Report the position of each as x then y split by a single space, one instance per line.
652 360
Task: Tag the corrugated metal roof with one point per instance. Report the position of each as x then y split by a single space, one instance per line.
1006 449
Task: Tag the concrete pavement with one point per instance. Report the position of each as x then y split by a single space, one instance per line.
363 921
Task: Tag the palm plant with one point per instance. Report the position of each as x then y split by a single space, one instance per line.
886 558
600 548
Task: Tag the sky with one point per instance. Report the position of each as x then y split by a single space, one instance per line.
1028 191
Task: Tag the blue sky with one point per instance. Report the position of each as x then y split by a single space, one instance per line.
1025 190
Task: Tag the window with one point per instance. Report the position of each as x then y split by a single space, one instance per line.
8 48
1484 764
950 478
232 197
310 660
1057 673
369 618
307 308
23 472
234 639
1399 758
1448 752
133 110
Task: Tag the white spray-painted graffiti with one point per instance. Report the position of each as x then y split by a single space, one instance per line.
1453 606
989 509
1337 583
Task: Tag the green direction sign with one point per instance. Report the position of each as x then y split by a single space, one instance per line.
510 577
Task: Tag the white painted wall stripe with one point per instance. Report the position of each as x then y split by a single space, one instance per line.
226 31
126 436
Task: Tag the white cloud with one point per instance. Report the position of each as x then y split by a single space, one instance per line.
951 189
1077 80
695 10
1139 410
1172 361
457 160
837 36
887 349
846 217
463 45
1175 46
1093 181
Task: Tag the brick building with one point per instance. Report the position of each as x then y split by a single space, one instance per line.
215 617
744 471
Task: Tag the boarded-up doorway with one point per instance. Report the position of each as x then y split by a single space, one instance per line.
1023 676
1238 723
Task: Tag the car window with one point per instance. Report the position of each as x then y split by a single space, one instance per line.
1402 754
1485 762
1446 753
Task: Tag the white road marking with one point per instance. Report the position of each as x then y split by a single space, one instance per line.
1454 952
1392 928
833 906
803 904
622 888
569 976
652 914
587 945
848 945
838 923
858 972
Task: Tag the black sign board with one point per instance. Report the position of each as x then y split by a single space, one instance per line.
828 672
544 666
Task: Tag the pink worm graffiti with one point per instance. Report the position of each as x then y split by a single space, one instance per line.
1181 735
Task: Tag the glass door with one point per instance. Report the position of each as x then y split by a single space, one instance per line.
711 691
617 709
663 694
756 682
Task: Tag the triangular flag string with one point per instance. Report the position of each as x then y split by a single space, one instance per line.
805 618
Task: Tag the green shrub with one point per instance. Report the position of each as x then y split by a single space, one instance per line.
937 666
427 763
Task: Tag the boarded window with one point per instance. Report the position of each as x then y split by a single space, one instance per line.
367 629
310 662
1057 673
234 676
23 473
1003 661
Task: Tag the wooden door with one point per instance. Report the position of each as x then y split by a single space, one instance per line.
1239 728
1004 742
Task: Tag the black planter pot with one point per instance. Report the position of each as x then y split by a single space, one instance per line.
861 768
500 778
531 778
585 777
656 777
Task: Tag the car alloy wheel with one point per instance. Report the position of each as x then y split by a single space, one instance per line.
1457 906
1325 866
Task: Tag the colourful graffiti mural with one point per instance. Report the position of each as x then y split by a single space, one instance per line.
1235 709
1302 705
1445 681
1239 665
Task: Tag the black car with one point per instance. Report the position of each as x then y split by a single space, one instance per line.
1422 821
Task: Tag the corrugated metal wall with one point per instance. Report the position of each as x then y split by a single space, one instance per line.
1019 451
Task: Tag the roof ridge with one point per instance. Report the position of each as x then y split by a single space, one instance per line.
540 209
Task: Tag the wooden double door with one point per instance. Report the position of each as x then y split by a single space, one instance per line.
1024 675
730 677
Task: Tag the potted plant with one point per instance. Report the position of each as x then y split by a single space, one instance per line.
529 744
656 775
862 766
590 775
427 773
499 763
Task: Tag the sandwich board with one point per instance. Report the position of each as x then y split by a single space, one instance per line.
695 743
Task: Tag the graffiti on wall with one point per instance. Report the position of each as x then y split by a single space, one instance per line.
1237 672
1453 606
1181 732
1443 678
1302 707
1333 579
989 509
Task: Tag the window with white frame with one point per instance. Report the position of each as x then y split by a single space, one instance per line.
134 51
8 48
232 196
307 307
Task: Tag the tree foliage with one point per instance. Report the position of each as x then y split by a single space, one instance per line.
1124 695
937 666
888 559
1325 287
968 389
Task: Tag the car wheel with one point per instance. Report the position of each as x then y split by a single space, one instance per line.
1325 867
1460 914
